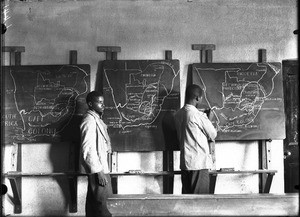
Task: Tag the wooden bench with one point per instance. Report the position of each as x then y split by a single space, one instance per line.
204 205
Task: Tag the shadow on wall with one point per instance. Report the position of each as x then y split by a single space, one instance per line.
64 157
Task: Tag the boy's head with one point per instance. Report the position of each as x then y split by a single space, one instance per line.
95 101
193 94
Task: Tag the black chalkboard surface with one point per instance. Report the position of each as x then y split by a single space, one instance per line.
43 103
246 99
141 97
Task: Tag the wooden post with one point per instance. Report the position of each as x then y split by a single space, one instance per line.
205 52
262 55
73 57
111 51
73 180
168 157
264 145
16 154
111 54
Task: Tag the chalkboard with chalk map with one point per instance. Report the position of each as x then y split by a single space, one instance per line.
245 98
44 103
141 97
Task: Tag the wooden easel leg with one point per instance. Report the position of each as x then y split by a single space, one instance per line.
268 182
168 181
14 182
212 183
73 194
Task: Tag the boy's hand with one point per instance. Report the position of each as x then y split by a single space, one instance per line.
101 179
209 113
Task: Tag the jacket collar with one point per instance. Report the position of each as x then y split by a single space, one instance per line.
100 124
94 114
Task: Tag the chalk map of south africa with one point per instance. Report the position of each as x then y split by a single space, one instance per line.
246 99
41 101
138 95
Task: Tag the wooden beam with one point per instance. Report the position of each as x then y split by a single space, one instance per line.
203 46
11 49
155 173
109 49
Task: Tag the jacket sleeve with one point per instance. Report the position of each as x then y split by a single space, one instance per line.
208 127
89 150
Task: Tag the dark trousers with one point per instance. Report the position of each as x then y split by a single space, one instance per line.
195 181
97 196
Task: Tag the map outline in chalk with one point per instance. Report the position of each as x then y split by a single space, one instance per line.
242 96
139 94
42 102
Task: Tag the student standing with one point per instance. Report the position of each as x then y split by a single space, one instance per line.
95 146
194 131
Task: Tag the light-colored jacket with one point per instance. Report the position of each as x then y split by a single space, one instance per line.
194 130
95 143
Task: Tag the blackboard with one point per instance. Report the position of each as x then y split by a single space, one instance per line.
141 97
43 103
246 99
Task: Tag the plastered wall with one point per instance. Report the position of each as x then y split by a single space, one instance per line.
144 29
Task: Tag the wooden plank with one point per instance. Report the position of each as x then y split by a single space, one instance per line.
203 46
243 171
109 49
20 174
204 205
13 49
158 173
